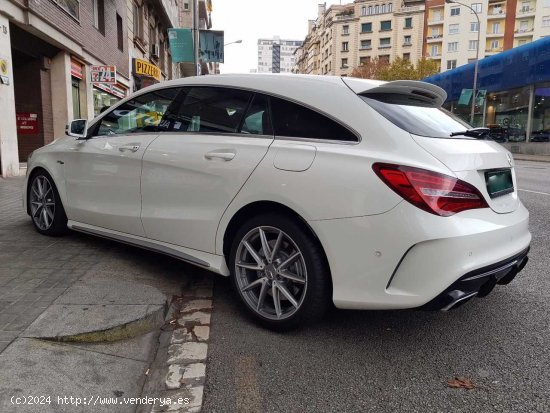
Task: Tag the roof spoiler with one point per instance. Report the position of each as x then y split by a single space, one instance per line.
402 92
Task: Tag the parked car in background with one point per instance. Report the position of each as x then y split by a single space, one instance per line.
540 136
305 190
497 133
516 133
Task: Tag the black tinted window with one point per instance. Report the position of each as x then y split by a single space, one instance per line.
418 120
207 109
292 120
141 114
257 120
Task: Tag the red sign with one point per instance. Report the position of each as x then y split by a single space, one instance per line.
103 74
27 123
76 69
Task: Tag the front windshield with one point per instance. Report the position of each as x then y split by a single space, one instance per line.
418 120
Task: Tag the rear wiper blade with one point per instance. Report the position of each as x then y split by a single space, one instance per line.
473 133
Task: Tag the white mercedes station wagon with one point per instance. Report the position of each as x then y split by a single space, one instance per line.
305 190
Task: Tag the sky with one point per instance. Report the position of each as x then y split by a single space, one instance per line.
249 20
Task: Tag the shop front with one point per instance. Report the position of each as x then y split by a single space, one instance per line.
106 95
145 74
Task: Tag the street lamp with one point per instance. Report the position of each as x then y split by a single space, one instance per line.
474 90
236 41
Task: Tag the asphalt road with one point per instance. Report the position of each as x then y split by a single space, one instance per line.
398 360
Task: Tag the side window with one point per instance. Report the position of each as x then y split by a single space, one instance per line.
208 109
257 120
295 121
141 114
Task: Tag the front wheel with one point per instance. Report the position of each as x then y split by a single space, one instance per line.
46 210
279 271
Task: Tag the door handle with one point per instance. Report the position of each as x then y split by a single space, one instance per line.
220 154
132 147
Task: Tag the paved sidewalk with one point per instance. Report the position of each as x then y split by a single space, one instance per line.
534 158
62 300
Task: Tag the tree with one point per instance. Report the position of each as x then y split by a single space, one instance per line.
399 69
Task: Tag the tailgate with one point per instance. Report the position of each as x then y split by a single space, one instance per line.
475 161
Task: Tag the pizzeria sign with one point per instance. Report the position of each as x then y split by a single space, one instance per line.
103 74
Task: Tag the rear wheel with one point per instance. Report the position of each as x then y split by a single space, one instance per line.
279 271
46 210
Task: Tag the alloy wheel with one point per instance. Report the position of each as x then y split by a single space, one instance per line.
42 202
271 273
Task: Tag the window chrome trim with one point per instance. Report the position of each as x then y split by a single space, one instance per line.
312 140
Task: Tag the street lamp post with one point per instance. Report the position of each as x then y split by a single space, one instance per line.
474 90
236 41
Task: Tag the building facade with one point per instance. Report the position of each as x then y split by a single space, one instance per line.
48 49
277 55
344 37
452 30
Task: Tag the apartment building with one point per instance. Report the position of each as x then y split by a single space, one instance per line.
277 55
345 36
452 30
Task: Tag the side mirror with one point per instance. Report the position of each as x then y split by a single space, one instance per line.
77 128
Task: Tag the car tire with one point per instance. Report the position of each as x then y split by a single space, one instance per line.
293 272
45 207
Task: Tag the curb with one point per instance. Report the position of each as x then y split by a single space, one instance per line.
179 372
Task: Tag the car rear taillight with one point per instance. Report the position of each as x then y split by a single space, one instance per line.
431 191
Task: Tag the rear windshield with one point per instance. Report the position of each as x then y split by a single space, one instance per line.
422 121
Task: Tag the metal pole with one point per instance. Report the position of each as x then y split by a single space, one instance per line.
196 36
474 90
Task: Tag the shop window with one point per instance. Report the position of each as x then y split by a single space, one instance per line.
509 110
541 114
77 114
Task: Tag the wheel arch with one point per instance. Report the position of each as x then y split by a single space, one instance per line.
258 207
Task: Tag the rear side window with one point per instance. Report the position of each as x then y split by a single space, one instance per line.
257 120
418 120
207 109
296 121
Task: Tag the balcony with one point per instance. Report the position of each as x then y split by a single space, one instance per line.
496 14
434 38
435 22
434 55
523 32
523 13
365 48
346 16
494 35
494 50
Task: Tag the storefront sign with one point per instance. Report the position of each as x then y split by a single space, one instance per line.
114 90
76 69
103 74
27 123
181 45
144 68
211 46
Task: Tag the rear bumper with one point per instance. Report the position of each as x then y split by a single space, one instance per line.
478 283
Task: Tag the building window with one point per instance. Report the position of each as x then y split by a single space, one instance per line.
138 22
345 29
390 7
455 11
477 7
451 64
345 46
363 60
495 44
384 58
119 33
383 9
76 98
70 6
474 27
453 28
365 44
407 40
364 11
496 28
435 50
385 42
376 9
385 25
99 15
472 45
523 25
186 6
546 21
406 56
521 42
344 64
366 27
435 31
370 10
452 47
408 23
